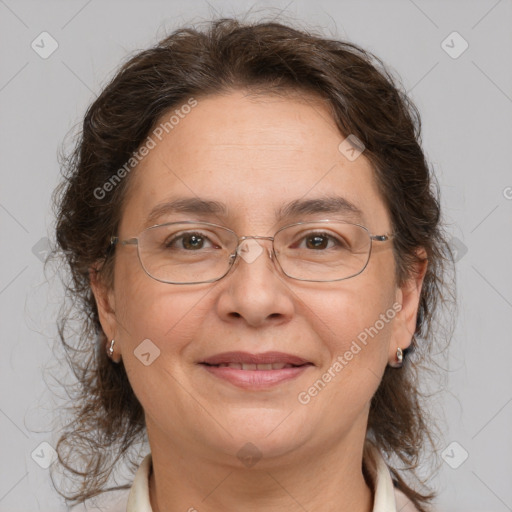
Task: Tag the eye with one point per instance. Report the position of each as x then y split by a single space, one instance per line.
320 241
317 241
190 241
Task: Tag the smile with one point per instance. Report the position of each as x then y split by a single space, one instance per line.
255 371
251 366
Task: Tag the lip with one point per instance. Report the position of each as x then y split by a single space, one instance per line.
248 358
255 379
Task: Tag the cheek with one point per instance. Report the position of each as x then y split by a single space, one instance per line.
354 329
168 315
157 325
353 321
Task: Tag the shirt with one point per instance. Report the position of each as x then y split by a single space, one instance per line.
386 497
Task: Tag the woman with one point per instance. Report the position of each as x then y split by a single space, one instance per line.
255 248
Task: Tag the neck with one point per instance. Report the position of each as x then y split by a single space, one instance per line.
329 479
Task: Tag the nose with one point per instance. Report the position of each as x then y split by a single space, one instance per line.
255 292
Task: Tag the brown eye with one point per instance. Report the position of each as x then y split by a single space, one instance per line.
322 241
193 241
187 241
317 242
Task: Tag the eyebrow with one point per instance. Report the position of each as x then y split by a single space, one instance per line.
296 208
192 205
330 204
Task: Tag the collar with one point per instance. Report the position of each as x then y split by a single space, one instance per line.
386 497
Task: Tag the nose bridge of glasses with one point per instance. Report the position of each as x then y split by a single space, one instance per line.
249 251
242 238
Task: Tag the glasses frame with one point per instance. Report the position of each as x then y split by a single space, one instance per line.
114 240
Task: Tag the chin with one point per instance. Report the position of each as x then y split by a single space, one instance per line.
263 436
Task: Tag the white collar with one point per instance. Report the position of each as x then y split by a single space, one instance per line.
385 500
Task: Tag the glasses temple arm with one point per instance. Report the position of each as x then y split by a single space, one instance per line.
114 240
382 238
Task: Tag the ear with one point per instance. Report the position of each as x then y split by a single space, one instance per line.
105 303
408 296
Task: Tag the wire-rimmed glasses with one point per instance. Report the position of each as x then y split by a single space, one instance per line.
192 252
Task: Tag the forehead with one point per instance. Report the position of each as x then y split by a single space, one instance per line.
255 155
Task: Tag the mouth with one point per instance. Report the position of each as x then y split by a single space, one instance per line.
252 367
248 361
255 371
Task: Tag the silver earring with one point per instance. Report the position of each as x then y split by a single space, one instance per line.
399 357
110 349
399 361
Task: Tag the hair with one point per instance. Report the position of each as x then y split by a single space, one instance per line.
264 57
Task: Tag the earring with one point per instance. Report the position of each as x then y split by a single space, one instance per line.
399 359
110 349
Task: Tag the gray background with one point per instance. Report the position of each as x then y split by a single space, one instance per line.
466 106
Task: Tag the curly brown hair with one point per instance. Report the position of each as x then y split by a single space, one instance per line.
228 54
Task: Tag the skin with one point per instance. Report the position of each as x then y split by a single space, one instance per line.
254 154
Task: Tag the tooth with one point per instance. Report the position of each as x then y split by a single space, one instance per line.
252 366
264 366
280 366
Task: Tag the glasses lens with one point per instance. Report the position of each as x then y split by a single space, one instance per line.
187 252
323 251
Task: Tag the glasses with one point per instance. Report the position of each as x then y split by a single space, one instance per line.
191 252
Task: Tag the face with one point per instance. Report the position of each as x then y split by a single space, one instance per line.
255 155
